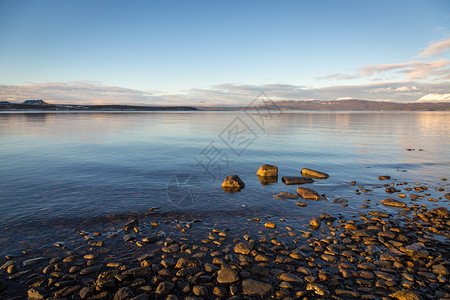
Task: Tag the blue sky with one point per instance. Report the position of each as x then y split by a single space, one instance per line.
223 52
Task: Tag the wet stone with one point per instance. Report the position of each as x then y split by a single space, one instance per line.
37 293
123 293
393 203
90 270
33 261
252 287
243 248
227 275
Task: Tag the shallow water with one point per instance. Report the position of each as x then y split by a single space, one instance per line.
66 169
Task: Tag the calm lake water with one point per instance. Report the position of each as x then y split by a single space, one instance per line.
65 168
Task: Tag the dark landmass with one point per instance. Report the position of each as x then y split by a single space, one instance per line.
64 107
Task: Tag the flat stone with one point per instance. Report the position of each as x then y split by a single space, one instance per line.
318 289
227 275
188 271
200 290
171 248
123 293
314 174
186 262
138 272
164 288
393 203
405 295
307 193
347 293
33 261
380 214
86 292
67 291
37 293
90 270
285 195
252 287
292 278
243 248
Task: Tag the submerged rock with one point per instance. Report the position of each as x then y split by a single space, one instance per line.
393 203
307 193
130 225
232 184
290 180
285 195
267 171
314 174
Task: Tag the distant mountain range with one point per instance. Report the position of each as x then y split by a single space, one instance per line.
357 104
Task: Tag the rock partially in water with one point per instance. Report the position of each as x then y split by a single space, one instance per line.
385 177
314 174
315 223
232 184
440 211
267 171
130 225
291 180
308 193
285 195
393 203
33 261
270 225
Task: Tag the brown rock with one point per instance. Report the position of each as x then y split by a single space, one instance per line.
307 193
232 184
393 203
314 174
267 171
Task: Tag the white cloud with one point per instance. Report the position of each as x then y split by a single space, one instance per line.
406 89
435 49
435 98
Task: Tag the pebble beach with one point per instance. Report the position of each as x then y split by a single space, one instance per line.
399 254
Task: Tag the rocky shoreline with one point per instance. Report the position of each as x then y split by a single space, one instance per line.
376 255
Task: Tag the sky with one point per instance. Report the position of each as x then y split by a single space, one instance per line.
223 52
